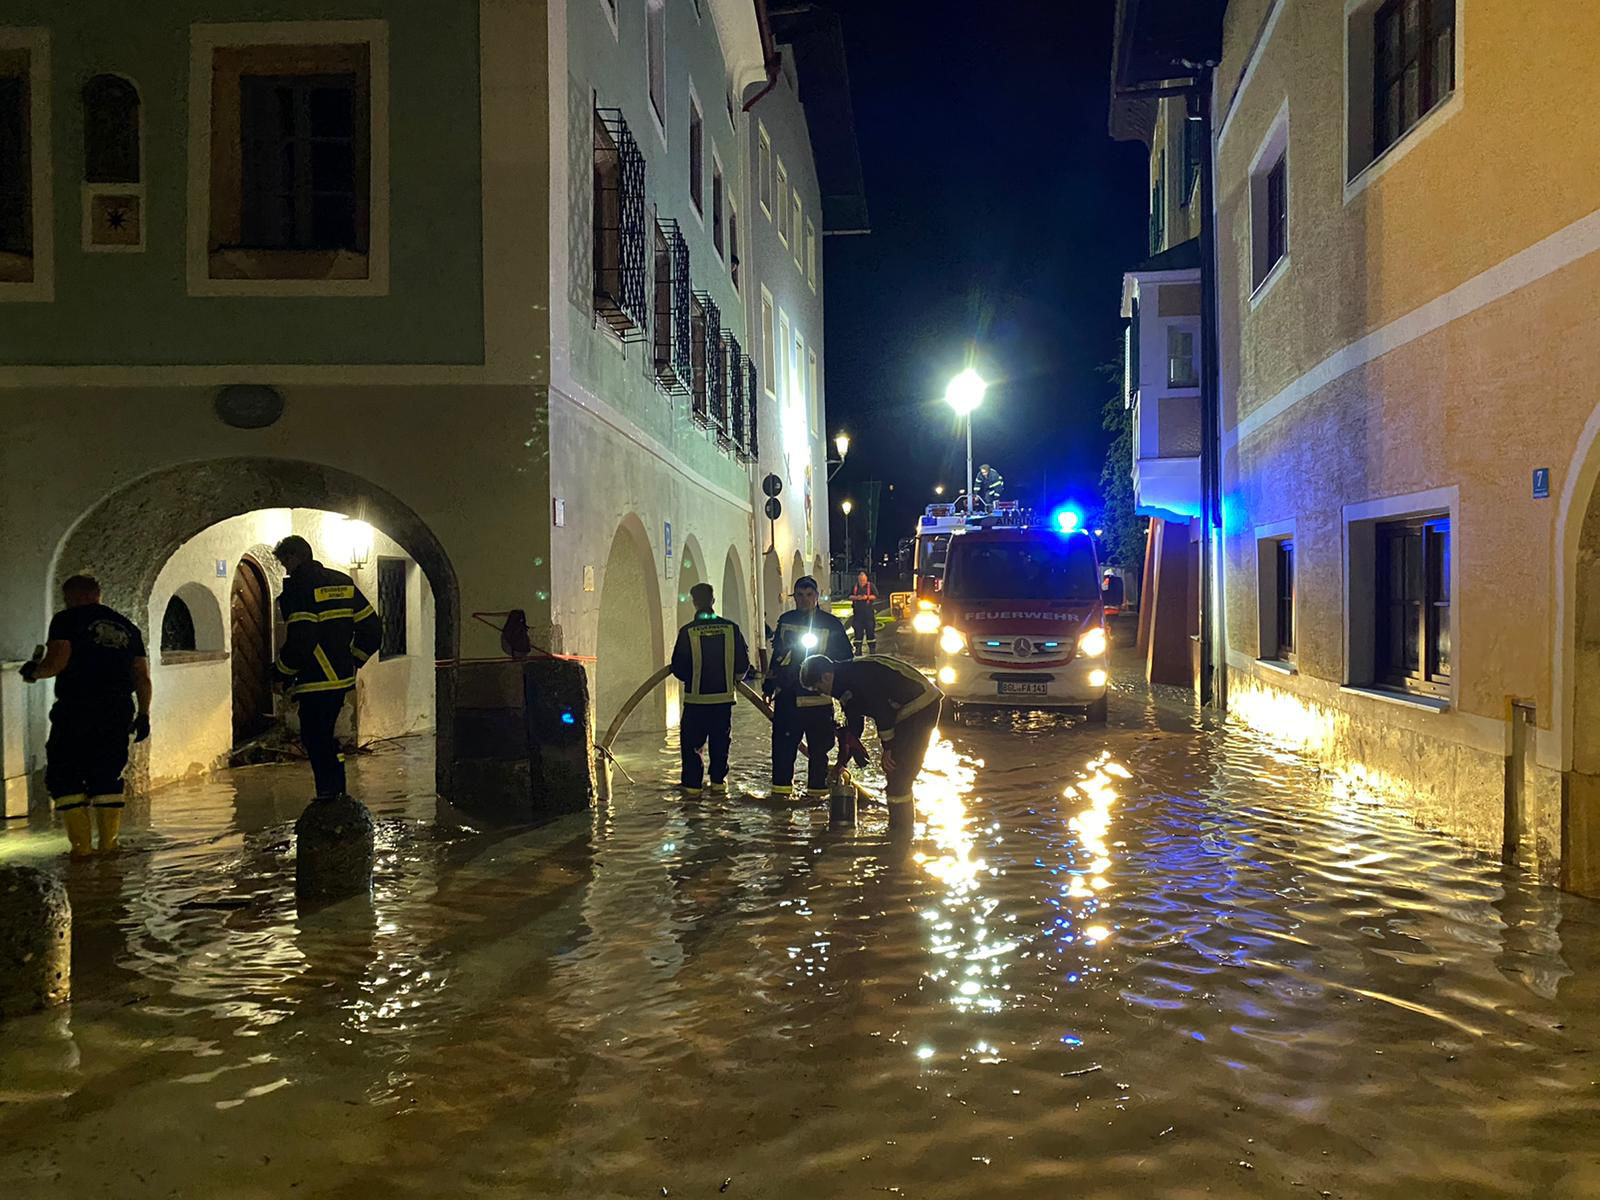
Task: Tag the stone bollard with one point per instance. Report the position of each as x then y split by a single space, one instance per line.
333 849
35 941
842 801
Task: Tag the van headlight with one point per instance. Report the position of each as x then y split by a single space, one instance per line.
1093 643
925 622
951 640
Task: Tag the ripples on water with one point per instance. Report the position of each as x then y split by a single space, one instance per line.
1153 961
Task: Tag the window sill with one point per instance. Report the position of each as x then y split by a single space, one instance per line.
1281 666
182 658
1433 704
1279 270
244 272
15 268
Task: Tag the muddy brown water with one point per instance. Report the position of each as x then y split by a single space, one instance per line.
1157 960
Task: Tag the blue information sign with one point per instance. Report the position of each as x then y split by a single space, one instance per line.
1541 483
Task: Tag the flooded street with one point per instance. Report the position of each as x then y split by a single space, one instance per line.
1154 960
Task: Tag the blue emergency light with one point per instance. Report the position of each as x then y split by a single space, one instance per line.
1066 519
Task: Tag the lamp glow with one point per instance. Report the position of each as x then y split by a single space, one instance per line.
947 675
846 506
809 641
841 443
1093 643
1097 678
925 622
938 489
965 392
951 640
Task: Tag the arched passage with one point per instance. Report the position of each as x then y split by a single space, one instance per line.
129 536
731 601
1580 818
796 569
691 570
629 641
771 590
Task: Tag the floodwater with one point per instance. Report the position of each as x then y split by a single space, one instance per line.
1159 960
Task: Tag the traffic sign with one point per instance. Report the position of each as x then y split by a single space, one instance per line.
774 509
772 486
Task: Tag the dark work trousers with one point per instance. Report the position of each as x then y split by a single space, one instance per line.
319 712
864 625
790 723
703 724
87 749
910 746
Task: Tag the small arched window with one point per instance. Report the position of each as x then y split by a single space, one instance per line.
177 627
110 130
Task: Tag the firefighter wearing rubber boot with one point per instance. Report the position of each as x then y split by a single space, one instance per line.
710 656
902 704
799 712
863 614
97 658
332 631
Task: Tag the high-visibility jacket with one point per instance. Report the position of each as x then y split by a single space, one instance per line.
709 656
800 635
883 688
332 630
988 486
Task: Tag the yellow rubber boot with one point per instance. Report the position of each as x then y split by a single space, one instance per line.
75 818
109 819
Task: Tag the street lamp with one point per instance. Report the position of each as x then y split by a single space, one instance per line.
938 489
964 394
841 443
845 506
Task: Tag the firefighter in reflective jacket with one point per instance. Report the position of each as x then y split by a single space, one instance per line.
710 656
799 712
332 631
902 704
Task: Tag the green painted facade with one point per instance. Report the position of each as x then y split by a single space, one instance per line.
134 310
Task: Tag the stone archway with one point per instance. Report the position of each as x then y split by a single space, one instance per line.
691 570
1580 791
131 533
771 590
731 600
796 569
629 640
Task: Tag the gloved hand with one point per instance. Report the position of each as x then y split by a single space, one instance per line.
850 747
141 727
768 686
29 672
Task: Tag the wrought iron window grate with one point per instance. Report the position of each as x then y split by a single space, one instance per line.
620 290
730 430
707 394
672 361
752 392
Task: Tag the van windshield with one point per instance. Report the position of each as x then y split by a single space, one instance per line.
931 551
1052 568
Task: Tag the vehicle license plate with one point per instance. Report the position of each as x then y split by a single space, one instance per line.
1008 688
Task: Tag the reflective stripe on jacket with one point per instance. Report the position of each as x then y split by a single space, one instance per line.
883 688
331 630
709 656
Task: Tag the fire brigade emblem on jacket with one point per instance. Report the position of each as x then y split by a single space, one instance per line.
1022 647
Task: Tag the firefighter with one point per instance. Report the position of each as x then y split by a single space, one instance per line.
863 616
799 712
986 485
709 657
902 704
332 632
97 658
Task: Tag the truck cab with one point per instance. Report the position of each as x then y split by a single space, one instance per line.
1022 623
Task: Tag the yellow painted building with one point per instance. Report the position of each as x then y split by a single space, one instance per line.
1408 279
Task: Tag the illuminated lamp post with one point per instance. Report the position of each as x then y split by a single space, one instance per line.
845 506
841 443
964 394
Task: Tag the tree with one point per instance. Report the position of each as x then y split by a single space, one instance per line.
1124 528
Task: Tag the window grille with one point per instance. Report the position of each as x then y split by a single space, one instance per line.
392 606
753 402
708 400
730 430
673 353
619 232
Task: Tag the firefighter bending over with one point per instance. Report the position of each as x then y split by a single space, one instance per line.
799 712
332 632
902 704
987 485
709 657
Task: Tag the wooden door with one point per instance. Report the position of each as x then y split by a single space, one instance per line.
251 616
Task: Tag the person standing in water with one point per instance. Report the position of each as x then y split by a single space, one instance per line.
709 658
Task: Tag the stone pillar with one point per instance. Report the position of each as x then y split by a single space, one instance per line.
522 743
35 941
333 849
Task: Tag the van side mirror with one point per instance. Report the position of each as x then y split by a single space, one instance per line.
1112 591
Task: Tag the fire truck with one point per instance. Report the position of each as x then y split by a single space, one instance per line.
916 612
1019 620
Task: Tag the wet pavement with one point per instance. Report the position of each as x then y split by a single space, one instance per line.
1152 960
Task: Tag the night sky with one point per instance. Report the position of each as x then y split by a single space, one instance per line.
1003 216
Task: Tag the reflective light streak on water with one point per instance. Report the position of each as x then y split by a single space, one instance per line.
1155 961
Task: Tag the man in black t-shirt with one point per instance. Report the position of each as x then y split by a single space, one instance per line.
97 658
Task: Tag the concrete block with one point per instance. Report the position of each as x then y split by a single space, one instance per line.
35 941
333 849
